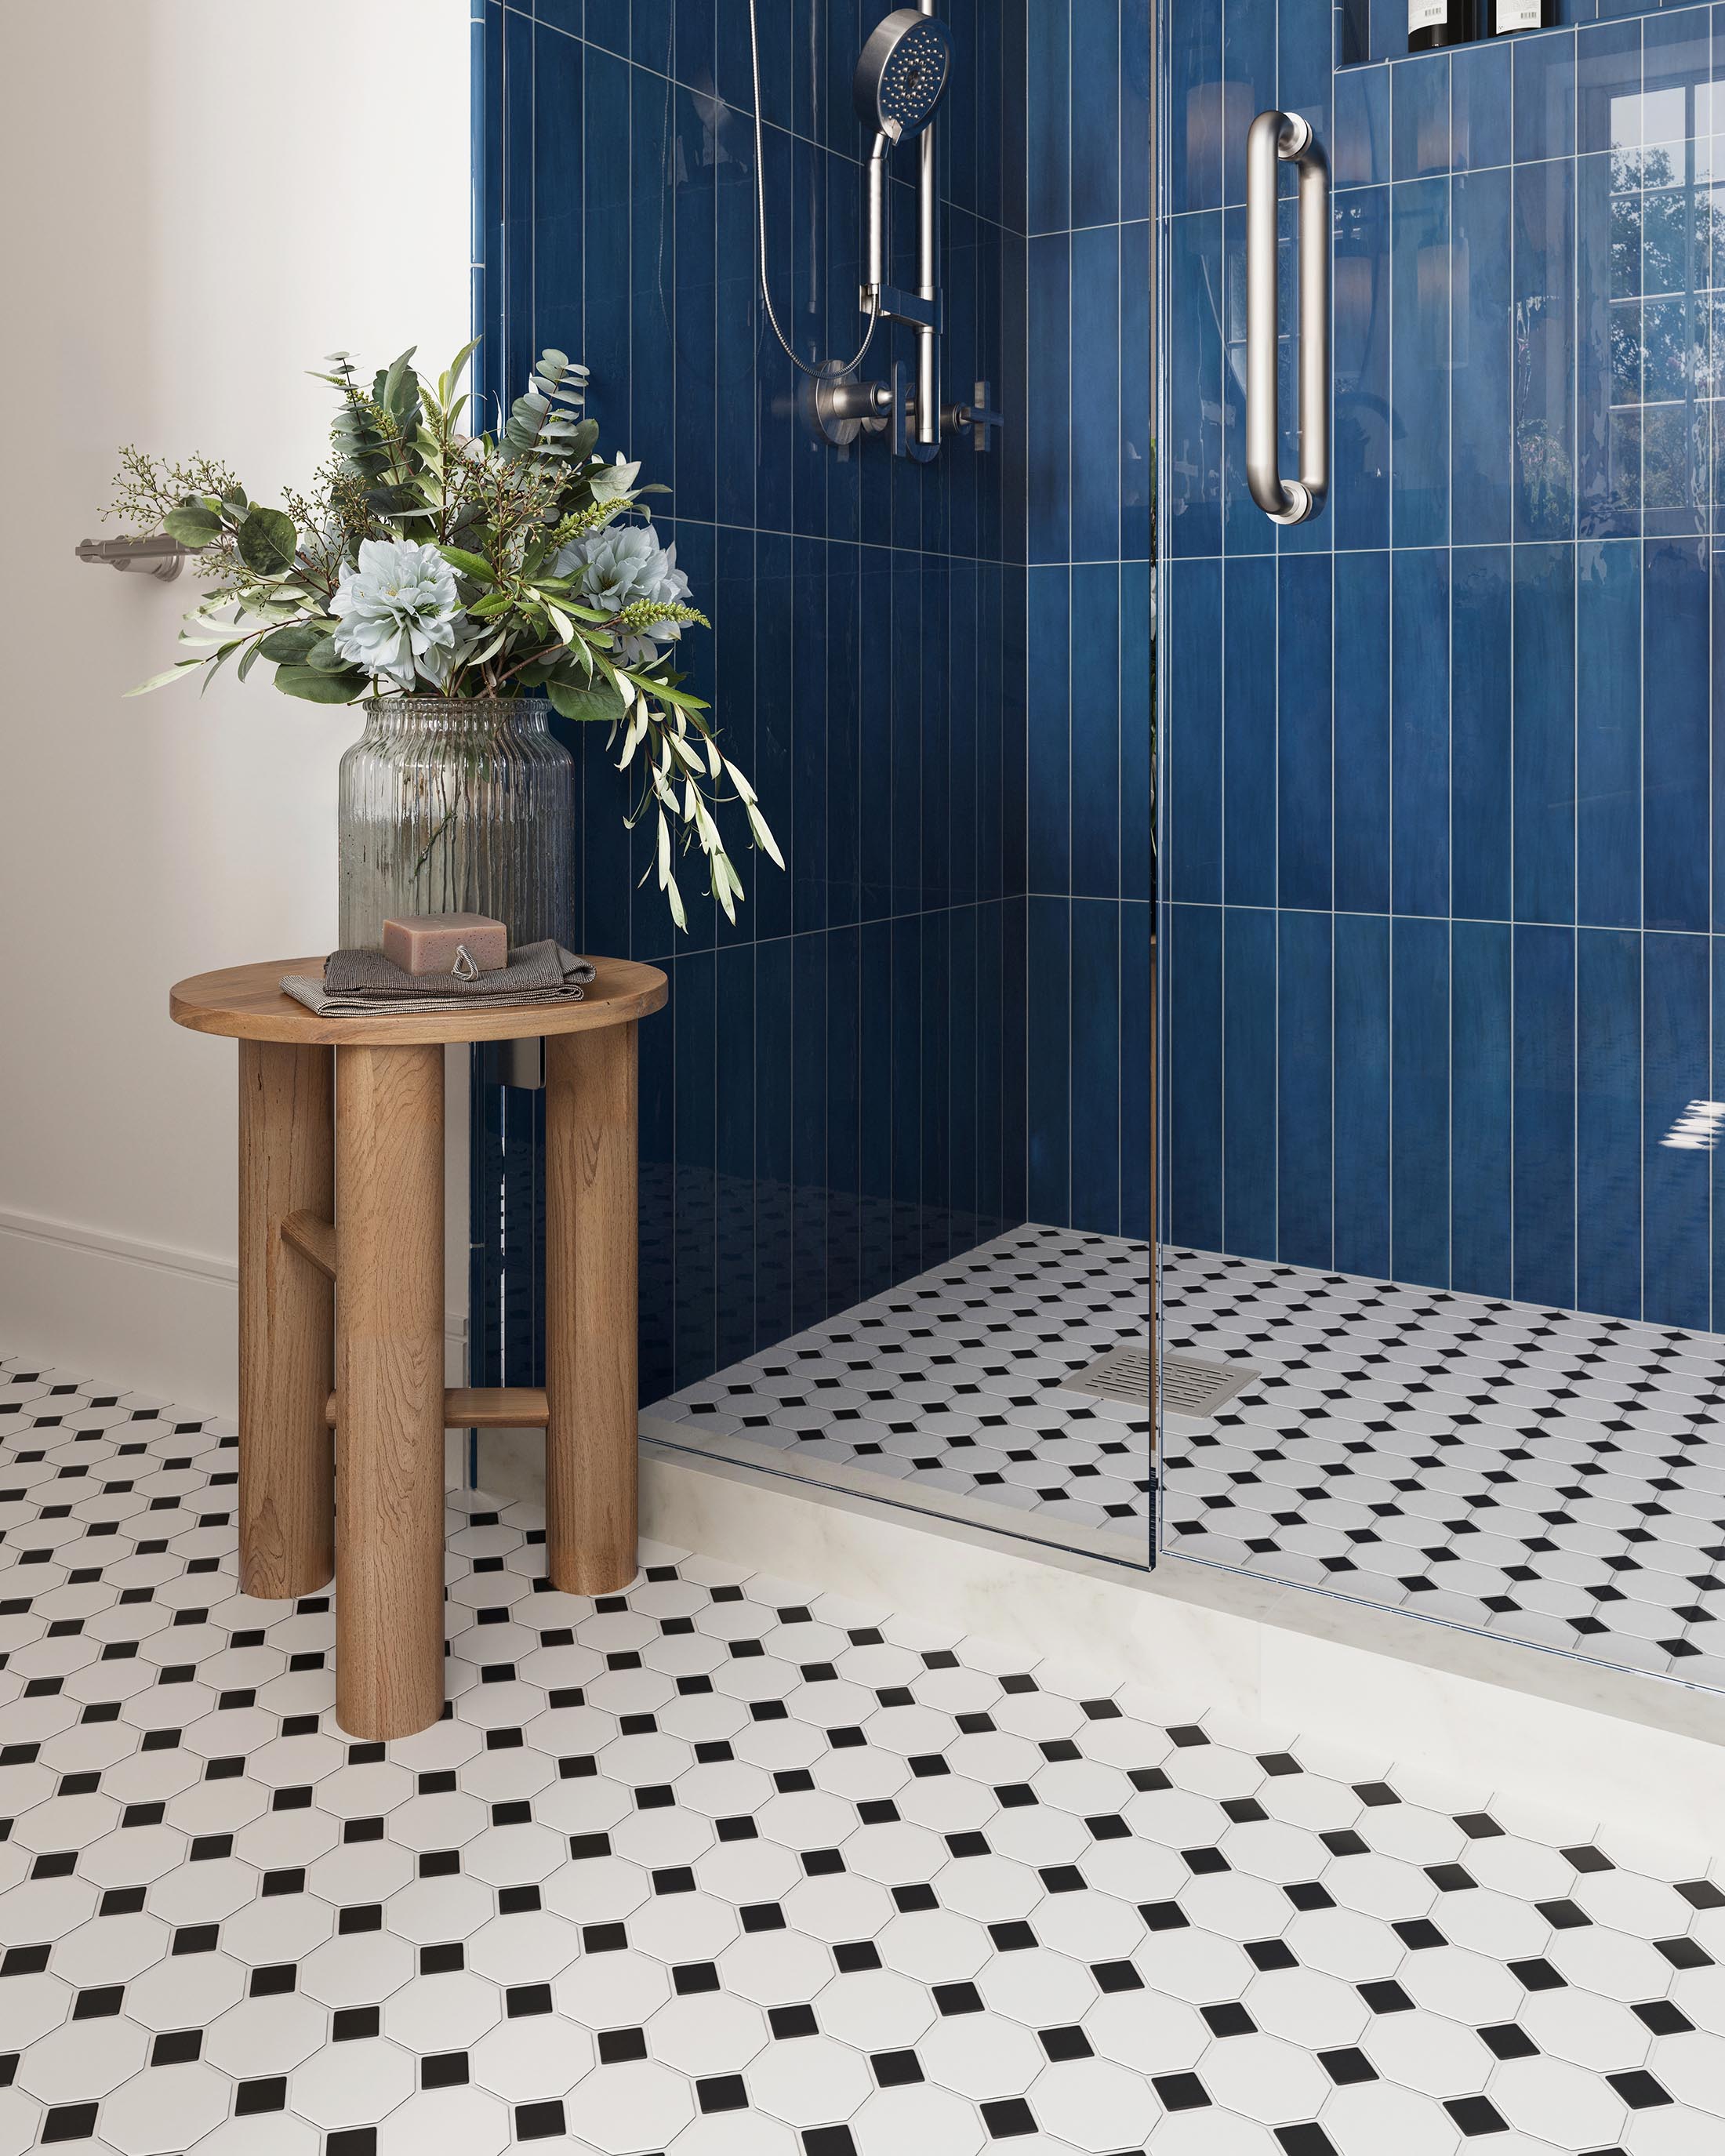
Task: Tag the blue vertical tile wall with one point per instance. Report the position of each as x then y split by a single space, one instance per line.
1440 807
838 1094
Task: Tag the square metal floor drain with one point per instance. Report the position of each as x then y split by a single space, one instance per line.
1190 1385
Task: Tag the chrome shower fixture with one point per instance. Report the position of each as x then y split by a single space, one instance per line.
901 75
900 79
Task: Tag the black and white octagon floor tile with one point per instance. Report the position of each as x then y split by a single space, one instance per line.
951 1391
1536 1474
726 1866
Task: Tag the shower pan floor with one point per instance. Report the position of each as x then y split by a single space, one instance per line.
1529 1473
951 1393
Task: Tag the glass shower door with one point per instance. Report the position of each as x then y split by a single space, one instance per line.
1437 919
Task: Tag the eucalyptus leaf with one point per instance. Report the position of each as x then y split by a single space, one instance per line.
288 647
268 541
469 565
192 527
576 700
317 688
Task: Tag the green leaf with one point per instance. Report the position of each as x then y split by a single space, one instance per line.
268 541
325 659
168 674
289 646
318 688
469 565
192 527
574 700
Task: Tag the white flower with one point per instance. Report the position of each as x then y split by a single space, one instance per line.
397 612
625 566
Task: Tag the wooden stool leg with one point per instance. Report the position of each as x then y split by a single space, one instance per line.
389 1389
286 1322
590 1467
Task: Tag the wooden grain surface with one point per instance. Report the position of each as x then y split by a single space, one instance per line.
591 1086
245 1002
389 1389
286 1322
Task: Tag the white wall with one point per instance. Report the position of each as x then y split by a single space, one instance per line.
202 200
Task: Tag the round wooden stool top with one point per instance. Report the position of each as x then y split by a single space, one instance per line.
245 1002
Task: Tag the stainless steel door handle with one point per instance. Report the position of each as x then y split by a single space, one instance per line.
1285 137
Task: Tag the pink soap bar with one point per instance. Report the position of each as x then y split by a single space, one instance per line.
427 943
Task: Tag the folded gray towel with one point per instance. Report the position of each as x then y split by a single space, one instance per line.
357 983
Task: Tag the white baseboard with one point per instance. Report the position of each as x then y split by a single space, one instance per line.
148 1317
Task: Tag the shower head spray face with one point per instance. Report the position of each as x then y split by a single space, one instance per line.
902 73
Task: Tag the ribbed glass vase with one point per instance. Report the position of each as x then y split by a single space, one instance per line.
465 806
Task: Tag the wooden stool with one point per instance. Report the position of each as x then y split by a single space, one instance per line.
341 1182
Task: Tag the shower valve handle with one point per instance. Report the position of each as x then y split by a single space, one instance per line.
977 415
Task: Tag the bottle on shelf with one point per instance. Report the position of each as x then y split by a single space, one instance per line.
1498 15
1432 24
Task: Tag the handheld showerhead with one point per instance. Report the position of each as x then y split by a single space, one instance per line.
902 73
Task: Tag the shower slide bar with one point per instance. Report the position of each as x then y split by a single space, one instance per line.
1274 138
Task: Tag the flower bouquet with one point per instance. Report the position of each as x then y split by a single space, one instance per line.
425 563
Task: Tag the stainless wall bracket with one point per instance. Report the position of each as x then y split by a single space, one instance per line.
158 557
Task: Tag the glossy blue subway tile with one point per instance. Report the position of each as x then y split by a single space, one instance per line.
1194 445
1096 394
1544 378
1249 731
1545 95
1362 734
1195 107
1362 427
1480 359
1304 1078
772 773
1360 153
906 1093
556 255
1419 116
1675 766
1193 720
1049 483
695 1191
1194 1154
904 826
1361 1091
1097 805
1544 1177
1135 108
1677 56
1419 730
1049 1065
1608 1121
1094 95
652 341
696 45
1097 994
1304 71
1049 603
564 15
935 1203
1677 1062
734 1152
1479 93
876 1050
1608 431
808 853
1248 86
1137 1089
1544 687
1245 529
1482 1224
1419 352
934 762
1608 84
1249 1123
1420 1102
842 1170
1137 805
1305 786
1481 728
1137 472
1608 734
1049 128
